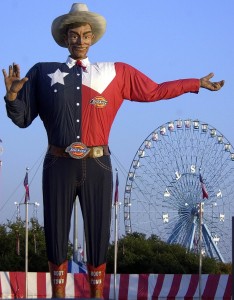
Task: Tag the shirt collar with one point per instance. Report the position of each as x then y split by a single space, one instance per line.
71 62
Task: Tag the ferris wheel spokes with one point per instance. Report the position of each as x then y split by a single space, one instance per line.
163 189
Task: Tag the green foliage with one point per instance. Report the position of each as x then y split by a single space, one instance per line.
12 247
137 255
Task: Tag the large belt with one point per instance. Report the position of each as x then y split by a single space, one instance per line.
79 150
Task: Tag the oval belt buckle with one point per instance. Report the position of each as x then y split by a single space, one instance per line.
77 150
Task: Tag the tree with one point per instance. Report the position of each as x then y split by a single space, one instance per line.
136 254
12 247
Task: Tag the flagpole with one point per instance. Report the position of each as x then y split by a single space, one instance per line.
116 203
201 211
200 249
26 234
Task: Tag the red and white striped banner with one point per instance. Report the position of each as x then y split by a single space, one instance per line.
128 287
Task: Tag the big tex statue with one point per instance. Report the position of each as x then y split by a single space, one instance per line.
77 102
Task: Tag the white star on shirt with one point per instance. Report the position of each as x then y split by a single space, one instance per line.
57 76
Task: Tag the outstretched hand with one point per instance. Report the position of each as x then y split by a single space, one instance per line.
13 82
212 86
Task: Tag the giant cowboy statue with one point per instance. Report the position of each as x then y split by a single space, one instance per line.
77 101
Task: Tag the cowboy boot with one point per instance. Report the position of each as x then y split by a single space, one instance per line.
96 280
58 275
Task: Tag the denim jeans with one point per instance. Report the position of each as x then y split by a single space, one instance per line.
90 179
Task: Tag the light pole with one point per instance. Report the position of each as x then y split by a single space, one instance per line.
201 210
36 205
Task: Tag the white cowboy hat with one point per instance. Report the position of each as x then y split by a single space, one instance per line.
79 13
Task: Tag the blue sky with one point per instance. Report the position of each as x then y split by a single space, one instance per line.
166 40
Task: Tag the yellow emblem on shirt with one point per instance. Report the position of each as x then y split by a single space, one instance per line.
99 101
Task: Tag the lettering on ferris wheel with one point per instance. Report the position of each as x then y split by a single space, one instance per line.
192 170
178 175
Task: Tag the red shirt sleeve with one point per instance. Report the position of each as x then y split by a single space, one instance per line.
136 86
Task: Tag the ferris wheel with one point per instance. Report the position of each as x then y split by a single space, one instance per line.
182 176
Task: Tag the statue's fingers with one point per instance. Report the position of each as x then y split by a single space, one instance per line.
10 70
4 73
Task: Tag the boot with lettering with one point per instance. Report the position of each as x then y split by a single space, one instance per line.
58 275
96 280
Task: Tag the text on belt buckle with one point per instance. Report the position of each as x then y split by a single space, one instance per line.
77 150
